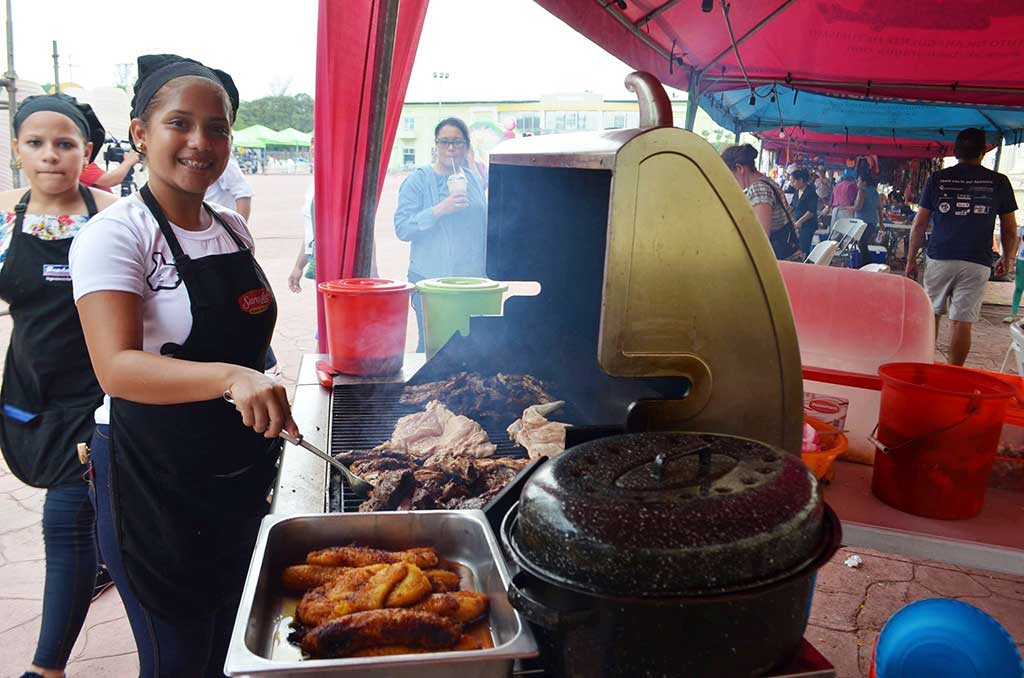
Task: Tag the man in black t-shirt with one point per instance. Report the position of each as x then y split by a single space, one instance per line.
963 201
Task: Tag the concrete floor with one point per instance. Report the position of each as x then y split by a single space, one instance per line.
850 605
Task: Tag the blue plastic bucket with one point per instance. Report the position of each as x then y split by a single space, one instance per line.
941 638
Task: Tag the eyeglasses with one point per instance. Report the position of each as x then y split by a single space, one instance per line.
452 143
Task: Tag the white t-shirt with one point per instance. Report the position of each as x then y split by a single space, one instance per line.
122 249
230 187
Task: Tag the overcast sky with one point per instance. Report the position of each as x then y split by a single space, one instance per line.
491 49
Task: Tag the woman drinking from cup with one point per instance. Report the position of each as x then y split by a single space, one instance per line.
442 212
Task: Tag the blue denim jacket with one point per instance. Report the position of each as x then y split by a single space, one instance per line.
454 245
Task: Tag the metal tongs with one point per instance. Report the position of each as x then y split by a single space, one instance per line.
359 486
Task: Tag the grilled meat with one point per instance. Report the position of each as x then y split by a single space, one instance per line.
478 397
358 556
376 628
462 466
372 469
351 456
540 437
393 487
437 428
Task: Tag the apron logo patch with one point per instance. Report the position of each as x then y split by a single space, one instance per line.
164 275
255 302
57 272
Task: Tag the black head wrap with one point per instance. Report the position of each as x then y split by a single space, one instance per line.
156 70
81 114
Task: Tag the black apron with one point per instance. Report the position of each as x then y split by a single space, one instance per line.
50 392
189 480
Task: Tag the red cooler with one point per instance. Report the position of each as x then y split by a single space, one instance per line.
366 322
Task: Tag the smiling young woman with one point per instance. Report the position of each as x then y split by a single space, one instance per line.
177 313
49 389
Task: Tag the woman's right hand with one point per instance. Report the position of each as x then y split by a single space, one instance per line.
451 205
262 402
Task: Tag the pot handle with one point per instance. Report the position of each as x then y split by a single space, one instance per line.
539 613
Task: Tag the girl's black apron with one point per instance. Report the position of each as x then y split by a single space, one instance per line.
190 481
50 392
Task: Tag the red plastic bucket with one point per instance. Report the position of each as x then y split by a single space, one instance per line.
938 428
366 322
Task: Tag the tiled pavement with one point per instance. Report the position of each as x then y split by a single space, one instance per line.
850 605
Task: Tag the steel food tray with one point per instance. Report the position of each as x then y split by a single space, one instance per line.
259 645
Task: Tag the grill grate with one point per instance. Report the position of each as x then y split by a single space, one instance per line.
363 416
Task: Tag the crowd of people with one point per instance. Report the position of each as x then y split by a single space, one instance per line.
808 200
958 208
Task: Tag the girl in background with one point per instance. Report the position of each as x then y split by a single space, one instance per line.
49 389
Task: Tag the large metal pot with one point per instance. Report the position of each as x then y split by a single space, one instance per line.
668 554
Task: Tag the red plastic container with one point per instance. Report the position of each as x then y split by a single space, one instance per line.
941 425
366 322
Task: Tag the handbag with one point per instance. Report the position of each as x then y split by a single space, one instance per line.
785 242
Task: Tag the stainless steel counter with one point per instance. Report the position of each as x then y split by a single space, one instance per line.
302 478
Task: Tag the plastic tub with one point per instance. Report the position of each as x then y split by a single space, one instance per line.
941 425
366 320
855 321
833 444
941 638
448 304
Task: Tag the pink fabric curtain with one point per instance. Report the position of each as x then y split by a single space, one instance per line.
344 80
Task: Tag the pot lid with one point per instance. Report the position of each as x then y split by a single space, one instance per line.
457 285
364 286
657 514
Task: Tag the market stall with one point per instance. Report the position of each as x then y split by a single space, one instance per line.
626 347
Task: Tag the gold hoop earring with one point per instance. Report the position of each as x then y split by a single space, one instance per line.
142 148
18 164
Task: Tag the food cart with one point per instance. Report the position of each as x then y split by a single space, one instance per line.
704 363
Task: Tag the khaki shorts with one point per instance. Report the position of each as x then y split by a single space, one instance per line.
958 284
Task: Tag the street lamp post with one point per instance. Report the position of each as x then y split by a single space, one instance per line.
10 82
440 76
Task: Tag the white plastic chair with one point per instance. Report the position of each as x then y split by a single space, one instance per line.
822 253
875 268
1016 347
850 231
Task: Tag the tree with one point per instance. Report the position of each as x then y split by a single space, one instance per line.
277 112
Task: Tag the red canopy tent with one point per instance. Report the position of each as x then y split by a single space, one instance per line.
840 147
960 51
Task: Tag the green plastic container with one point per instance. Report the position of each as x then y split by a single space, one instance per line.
448 304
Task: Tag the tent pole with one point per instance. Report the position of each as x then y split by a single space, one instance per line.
384 47
856 87
10 83
640 35
692 99
737 139
999 155
749 34
655 13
